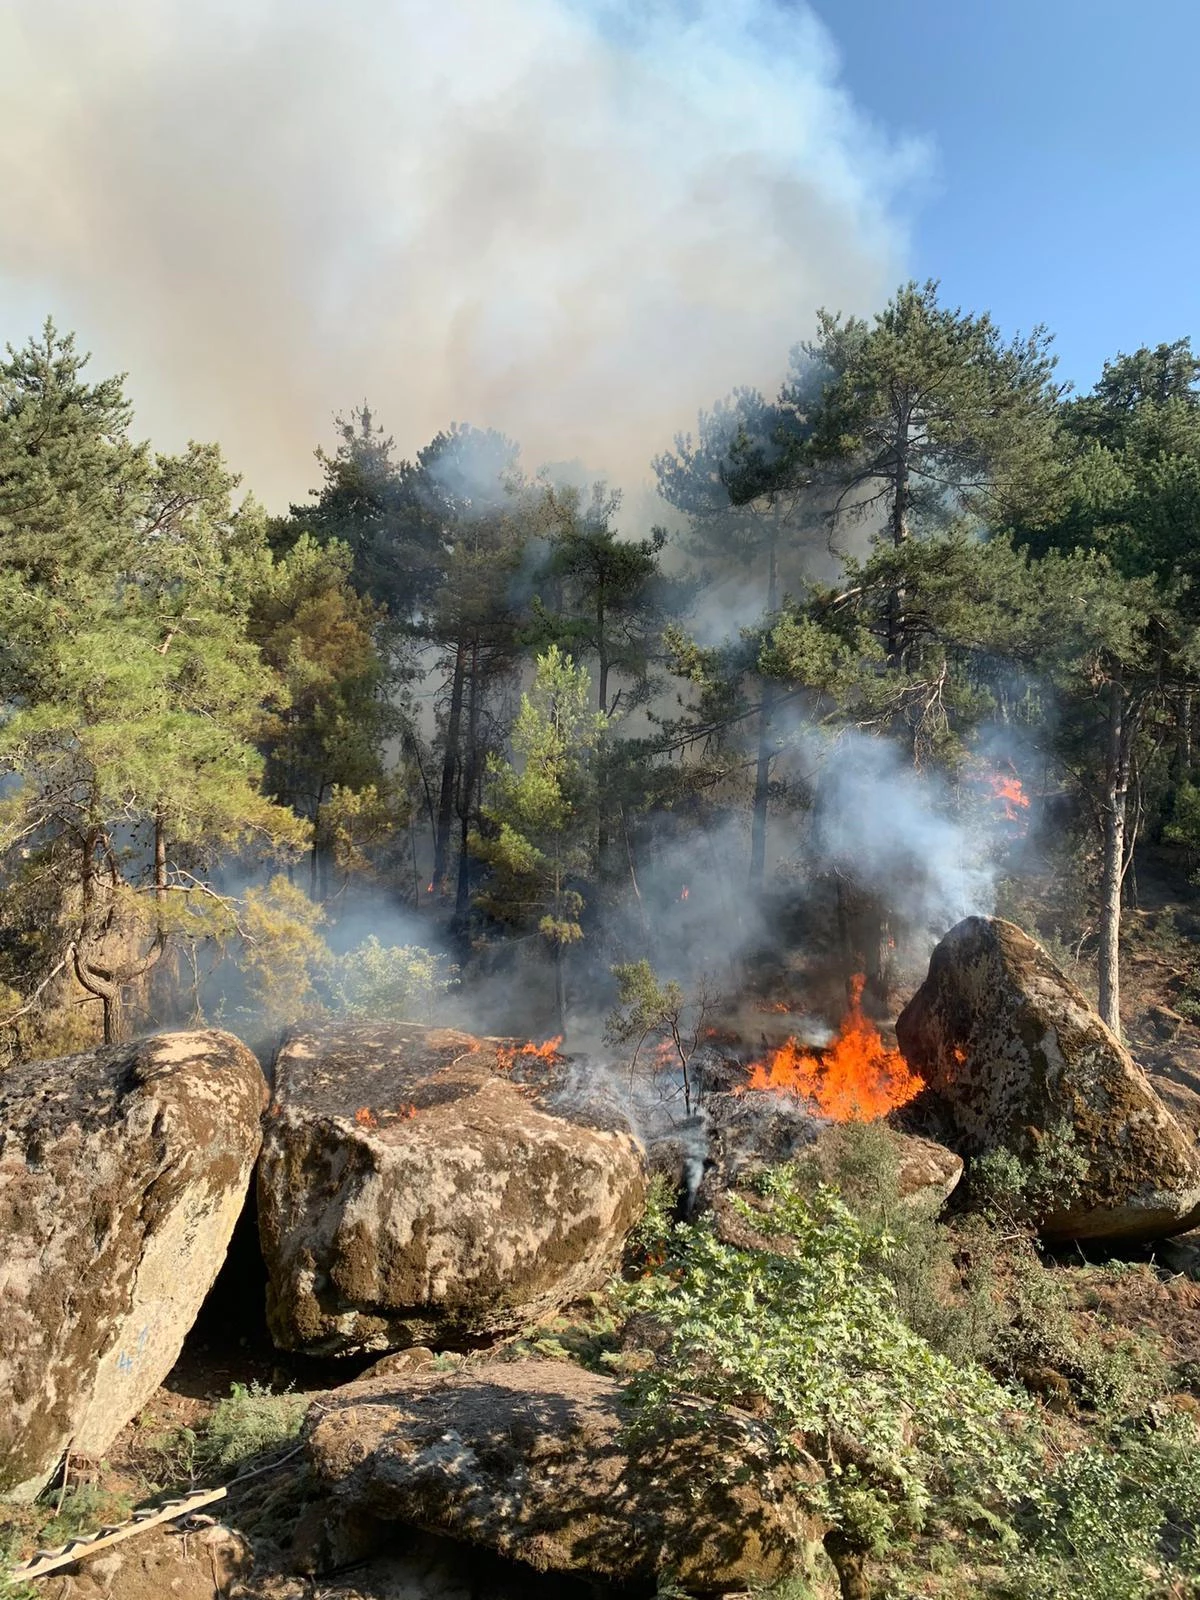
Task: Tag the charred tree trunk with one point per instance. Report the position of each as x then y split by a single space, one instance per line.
1116 799
450 765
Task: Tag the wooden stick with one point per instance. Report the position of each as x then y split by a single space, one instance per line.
79 1549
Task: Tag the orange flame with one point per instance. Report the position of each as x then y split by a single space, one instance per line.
665 1055
857 1079
366 1118
1009 791
683 893
429 887
506 1057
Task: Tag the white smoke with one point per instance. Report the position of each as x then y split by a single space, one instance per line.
575 222
896 830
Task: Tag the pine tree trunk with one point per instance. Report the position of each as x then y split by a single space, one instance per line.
560 989
1181 760
899 528
445 815
160 856
471 765
603 831
1116 796
762 773
1184 749
602 665
762 781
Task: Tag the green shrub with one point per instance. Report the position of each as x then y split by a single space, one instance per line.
250 1421
390 982
1017 1192
1119 1520
811 1338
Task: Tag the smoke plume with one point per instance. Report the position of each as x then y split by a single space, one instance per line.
576 222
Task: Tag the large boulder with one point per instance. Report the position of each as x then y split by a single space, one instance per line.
122 1173
529 1459
412 1191
1021 1062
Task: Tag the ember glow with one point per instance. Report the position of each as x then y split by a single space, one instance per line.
506 1058
683 893
857 1079
366 1118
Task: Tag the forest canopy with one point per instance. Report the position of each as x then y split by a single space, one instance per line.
453 719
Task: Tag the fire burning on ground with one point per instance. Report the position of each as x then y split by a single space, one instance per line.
507 1058
857 1079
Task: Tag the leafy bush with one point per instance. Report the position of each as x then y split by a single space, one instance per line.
1017 1192
1115 1521
250 1421
396 982
980 1289
812 1341
903 1241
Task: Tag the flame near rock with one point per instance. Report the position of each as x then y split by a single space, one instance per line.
857 1079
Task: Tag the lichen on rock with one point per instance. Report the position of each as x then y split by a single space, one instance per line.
533 1460
411 1191
122 1173
1017 1056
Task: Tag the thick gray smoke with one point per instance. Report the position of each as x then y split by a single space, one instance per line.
572 221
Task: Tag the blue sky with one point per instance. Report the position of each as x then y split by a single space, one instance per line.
1065 158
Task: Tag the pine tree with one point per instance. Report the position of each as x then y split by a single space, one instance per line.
743 483
926 416
132 694
538 833
1129 510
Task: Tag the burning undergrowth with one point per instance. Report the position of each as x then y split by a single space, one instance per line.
724 1106
856 1079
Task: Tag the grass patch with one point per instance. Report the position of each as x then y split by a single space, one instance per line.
251 1421
46 1524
